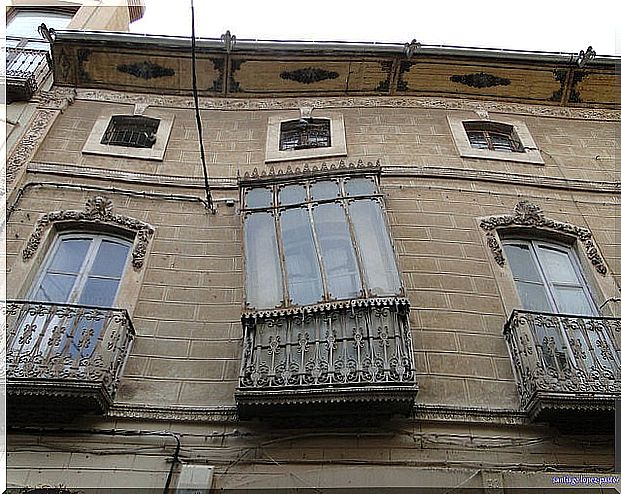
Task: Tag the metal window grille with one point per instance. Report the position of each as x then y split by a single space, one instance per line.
493 136
131 131
304 134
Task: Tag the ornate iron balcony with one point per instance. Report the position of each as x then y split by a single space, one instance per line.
565 363
330 357
26 69
64 358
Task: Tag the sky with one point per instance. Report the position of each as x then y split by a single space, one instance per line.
539 25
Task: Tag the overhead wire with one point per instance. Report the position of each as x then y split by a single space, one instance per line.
199 124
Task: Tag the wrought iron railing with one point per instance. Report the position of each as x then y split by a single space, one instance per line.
66 345
26 69
565 359
360 348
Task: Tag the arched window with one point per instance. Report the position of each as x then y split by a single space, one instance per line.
82 268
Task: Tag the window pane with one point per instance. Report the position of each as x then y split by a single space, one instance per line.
100 292
258 198
55 288
360 186
263 275
110 259
572 301
534 297
378 259
303 274
337 251
477 140
70 254
522 263
292 194
326 189
501 142
557 265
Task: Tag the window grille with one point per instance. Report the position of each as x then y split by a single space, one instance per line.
131 131
305 134
493 136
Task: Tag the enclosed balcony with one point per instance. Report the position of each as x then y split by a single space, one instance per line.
63 360
568 367
345 358
26 69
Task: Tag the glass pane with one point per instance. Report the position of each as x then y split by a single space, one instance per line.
534 297
360 186
259 198
292 194
263 275
337 251
303 274
98 291
55 288
501 142
572 300
557 265
110 259
522 263
326 189
69 256
378 258
477 140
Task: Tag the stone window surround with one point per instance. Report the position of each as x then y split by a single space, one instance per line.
94 146
338 145
531 152
602 286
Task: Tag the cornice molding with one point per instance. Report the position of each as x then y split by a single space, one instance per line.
386 171
253 104
423 412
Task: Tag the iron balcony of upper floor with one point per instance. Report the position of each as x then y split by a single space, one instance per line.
26 69
63 360
568 367
340 359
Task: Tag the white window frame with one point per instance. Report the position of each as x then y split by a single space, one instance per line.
93 144
87 263
531 152
338 145
534 244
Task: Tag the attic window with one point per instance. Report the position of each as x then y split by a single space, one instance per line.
305 134
494 136
131 131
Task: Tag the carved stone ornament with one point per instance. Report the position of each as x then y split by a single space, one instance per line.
480 80
351 102
309 75
529 214
57 99
146 70
97 210
29 142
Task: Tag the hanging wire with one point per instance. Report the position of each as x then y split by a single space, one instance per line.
199 124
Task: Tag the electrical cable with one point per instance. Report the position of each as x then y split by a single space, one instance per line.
199 124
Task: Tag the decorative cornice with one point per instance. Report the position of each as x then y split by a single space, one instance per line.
58 98
309 75
28 143
272 173
97 210
480 80
351 102
530 215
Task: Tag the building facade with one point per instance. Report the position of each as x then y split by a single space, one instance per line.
399 269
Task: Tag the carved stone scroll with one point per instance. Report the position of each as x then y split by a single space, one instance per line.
529 214
97 210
